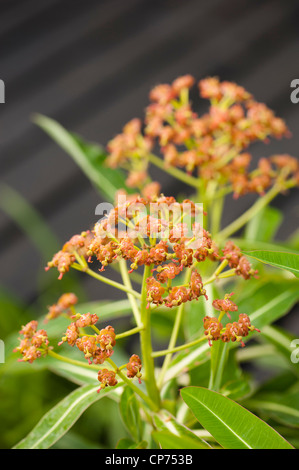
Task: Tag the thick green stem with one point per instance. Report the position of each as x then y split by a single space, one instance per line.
146 343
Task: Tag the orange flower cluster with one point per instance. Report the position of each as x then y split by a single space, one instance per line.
235 331
34 343
213 146
63 305
65 257
107 378
177 249
134 367
96 348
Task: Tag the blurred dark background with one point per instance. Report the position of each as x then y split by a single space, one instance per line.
90 64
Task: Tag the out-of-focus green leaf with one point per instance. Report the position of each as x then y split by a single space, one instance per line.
62 417
281 339
232 426
29 220
293 240
129 444
283 408
264 225
278 259
167 440
219 355
73 440
164 421
88 156
236 389
270 302
106 309
130 413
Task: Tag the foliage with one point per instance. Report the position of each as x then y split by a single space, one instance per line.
182 289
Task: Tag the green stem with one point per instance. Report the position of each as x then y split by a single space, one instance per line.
134 387
133 331
173 171
72 361
251 212
178 348
174 334
216 215
146 343
115 284
229 273
127 282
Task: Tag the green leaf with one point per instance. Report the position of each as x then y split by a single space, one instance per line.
88 156
264 225
130 413
61 418
106 309
219 356
232 426
281 340
236 389
167 440
283 408
274 300
129 444
164 421
278 259
29 220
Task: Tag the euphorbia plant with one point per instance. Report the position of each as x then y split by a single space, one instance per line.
184 263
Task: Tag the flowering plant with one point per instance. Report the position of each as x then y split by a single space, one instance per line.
178 265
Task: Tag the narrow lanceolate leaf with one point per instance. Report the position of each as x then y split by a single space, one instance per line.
89 157
278 259
61 418
230 424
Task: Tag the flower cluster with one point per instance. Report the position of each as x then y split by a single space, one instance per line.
132 232
64 305
235 331
66 257
96 348
34 343
134 367
107 378
213 146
